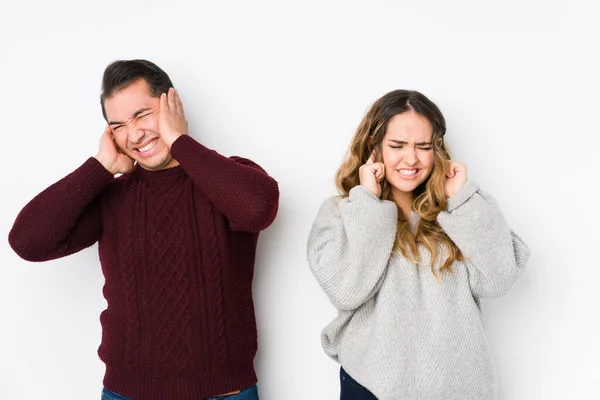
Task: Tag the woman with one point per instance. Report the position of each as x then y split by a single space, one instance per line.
404 254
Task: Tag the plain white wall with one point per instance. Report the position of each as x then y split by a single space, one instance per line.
285 84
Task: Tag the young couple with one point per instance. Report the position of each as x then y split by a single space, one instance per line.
404 253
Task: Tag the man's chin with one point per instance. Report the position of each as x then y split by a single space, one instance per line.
156 165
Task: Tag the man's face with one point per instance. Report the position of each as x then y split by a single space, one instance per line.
133 115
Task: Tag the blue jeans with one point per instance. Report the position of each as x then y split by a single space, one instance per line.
250 393
352 390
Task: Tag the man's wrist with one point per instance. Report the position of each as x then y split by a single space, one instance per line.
102 160
172 138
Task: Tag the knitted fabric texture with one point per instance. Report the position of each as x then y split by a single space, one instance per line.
177 250
400 332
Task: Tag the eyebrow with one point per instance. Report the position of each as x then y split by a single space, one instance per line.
135 115
403 142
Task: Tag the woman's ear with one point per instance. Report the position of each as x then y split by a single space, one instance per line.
440 142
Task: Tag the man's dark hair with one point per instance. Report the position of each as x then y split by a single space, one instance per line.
120 74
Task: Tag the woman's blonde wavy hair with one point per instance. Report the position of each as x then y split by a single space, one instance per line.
429 197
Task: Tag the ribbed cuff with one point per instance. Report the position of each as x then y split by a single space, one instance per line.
217 380
362 195
465 193
366 216
94 175
369 207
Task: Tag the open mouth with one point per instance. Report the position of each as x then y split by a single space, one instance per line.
149 146
408 172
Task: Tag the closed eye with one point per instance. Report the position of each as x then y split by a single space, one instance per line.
143 116
419 148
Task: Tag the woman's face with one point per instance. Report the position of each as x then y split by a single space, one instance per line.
407 152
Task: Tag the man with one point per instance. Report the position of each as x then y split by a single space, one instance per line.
177 234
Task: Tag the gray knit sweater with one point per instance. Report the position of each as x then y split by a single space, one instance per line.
400 332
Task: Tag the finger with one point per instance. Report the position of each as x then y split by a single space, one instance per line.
172 102
164 105
380 173
376 168
178 102
451 171
458 167
104 139
371 160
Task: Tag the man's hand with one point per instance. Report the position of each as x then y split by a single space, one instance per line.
111 157
371 174
171 120
456 177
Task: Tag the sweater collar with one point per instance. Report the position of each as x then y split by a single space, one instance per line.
161 177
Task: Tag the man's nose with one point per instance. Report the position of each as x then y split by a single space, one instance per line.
135 133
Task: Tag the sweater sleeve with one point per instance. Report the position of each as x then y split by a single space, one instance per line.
63 219
350 245
239 188
494 255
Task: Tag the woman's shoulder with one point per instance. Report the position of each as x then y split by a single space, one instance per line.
330 207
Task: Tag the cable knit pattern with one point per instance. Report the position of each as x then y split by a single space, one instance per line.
174 246
129 276
214 276
170 271
400 332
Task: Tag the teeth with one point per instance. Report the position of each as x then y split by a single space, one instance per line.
407 171
147 147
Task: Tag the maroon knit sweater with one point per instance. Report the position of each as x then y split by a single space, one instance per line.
177 249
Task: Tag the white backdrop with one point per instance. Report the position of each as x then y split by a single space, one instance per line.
285 84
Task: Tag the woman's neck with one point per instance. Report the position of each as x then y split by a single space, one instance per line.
404 201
